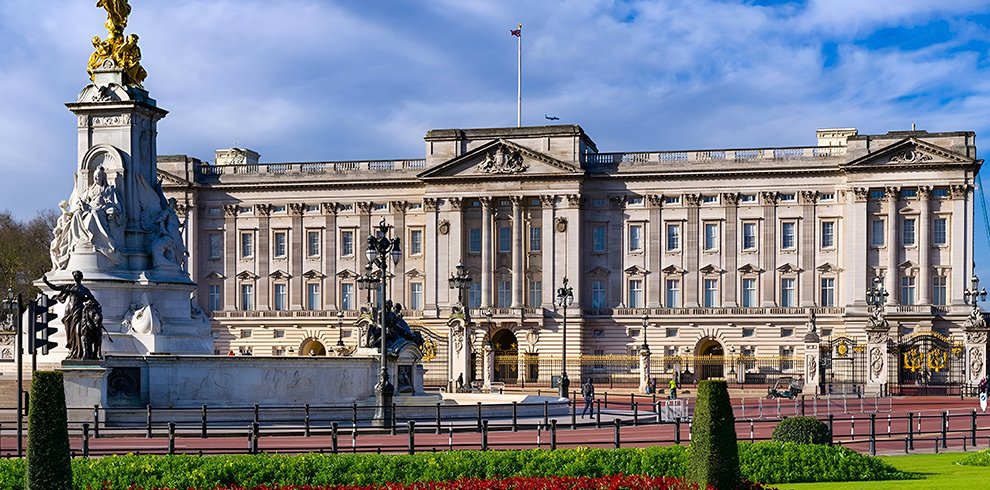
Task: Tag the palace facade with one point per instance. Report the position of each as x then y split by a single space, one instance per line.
722 261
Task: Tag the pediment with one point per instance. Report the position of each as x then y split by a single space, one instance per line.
711 269
501 159
346 273
907 264
750 269
279 274
215 276
672 270
636 271
827 268
908 153
414 273
247 276
170 179
314 274
599 271
788 268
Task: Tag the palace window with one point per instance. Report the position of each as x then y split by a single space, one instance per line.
415 242
711 293
474 295
280 297
599 202
749 236
247 245
597 294
671 199
909 193
826 196
876 235
711 236
939 290
313 243
790 197
747 198
940 231
416 296
673 293
710 199
635 238
279 245
474 240
598 239
907 231
216 246
940 193
787 292
828 234
749 293
635 293
346 243
214 298
535 237
347 296
247 297
876 194
673 237
907 290
312 296
504 239
504 294
827 291
788 239
535 293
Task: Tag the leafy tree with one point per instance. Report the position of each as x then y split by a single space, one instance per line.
24 253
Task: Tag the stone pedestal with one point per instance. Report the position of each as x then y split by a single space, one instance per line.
85 387
812 363
459 337
976 355
645 374
488 367
877 340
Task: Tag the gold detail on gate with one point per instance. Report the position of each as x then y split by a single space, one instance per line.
429 350
842 349
912 360
937 359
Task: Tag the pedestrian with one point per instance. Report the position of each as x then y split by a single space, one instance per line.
588 391
651 388
673 389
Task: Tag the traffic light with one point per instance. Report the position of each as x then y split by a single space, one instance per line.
39 315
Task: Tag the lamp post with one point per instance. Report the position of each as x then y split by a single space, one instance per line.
876 296
340 349
13 306
461 281
487 352
565 296
974 294
460 358
646 323
367 282
380 249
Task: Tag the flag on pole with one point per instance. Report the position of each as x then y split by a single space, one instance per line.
516 32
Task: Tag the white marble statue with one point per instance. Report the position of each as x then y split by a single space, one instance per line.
97 217
61 243
167 249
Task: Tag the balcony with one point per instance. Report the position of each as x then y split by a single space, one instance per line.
659 159
218 172
655 312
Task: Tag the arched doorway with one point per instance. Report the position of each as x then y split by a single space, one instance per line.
506 356
709 359
312 347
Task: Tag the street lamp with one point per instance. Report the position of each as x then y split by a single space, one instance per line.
565 296
876 296
380 248
646 323
970 296
367 282
461 281
340 329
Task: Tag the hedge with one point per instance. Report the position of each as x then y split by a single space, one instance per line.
713 457
49 465
806 430
979 458
767 462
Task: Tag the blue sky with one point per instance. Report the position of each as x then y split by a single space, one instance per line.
321 80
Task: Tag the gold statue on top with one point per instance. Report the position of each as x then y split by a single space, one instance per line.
124 51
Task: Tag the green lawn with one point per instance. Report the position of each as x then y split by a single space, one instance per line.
940 471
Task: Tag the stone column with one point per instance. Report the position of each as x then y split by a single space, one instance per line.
893 245
644 369
856 234
924 242
398 291
690 247
456 241
548 250
263 253
572 261
460 348
807 249
655 251
330 286
486 251
296 256
488 366
730 242
431 244
877 336
232 245
976 351
812 360
517 253
961 244
768 249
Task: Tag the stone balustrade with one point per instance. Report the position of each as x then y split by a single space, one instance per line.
597 160
313 167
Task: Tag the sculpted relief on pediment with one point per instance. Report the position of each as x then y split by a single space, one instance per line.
502 160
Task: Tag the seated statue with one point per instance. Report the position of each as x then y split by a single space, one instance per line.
97 217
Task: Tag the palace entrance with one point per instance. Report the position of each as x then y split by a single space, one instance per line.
312 347
506 356
709 361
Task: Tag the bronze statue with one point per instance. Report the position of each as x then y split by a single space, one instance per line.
117 12
123 51
83 319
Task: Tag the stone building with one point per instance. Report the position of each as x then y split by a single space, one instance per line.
738 263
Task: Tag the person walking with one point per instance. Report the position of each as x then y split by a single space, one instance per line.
673 389
588 391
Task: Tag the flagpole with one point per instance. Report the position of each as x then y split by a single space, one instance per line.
519 79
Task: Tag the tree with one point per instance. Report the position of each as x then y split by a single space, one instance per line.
713 457
49 464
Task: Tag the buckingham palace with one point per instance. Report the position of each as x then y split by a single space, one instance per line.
849 263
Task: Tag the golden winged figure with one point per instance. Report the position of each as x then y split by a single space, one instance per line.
124 51
117 12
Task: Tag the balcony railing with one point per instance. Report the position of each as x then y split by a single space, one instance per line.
604 160
314 167
776 310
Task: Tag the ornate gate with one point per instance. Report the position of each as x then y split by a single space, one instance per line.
929 364
843 365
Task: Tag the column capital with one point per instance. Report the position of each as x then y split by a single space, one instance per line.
516 201
654 200
730 198
230 210
959 191
924 192
431 203
486 202
548 200
810 197
770 197
365 206
891 192
692 200
861 194
296 208
618 202
329 208
573 200
455 203
400 206
263 209
182 209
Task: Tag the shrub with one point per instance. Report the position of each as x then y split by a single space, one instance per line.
806 430
713 457
788 462
979 458
49 464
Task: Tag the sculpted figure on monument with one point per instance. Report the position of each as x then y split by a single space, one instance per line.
97 217
76 297
166 245
61 241
102 51
117 12
129 59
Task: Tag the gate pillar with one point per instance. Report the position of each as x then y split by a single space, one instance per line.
488 367
812 351
460 350
644 369
976 347
877 341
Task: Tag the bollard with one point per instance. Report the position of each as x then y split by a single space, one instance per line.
253 439
654 399
306 420
945 427
831 432
148 424
392 431
438 418
635 407
171 438
412 436
972 428
539 433
618 423
632 399
202 424
85 440
919 423
905 445
910 431
479 416
656 405
96 421
760 403
936 445
873 434
546 413
515 417
690 429
354 414
553 434
852 427
888 425
257 413
450 436
606 399
598 414
778 408
677 430
484 435
354 438
573 414
752 431
802 405
333 438
742 404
